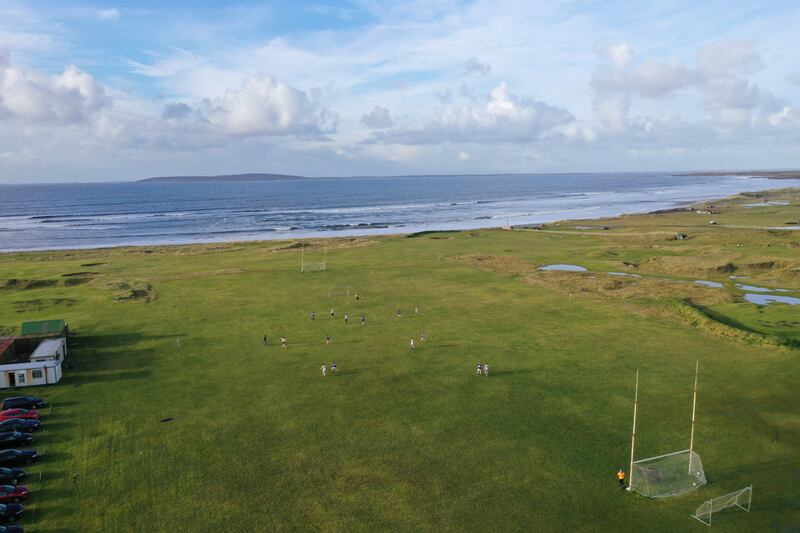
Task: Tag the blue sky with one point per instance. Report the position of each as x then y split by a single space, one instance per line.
125 90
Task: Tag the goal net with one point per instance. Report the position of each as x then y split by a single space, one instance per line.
740 498
312 267
333 292
668 475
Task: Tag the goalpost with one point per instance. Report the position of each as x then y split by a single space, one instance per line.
671 474
313 266
739 498
340 291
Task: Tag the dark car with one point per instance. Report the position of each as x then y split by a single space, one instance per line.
11 529
14 438
11 476
18 457
13 493
23 402
10 512
20 424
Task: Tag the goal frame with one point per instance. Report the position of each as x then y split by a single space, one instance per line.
323 264
690 450
747 490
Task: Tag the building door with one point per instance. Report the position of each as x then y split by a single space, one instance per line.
12 379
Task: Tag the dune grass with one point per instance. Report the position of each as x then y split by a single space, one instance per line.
407 440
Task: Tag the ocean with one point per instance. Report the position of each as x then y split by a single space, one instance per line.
61 216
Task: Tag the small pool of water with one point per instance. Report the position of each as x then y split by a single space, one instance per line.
767 204
753 288
568 268
712 284
624 274
766 299
739 277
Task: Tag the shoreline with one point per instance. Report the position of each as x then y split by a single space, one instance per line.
367 233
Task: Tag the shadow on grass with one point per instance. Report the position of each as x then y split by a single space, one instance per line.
350 372
49 494
110 358
59 403
50 475
55 426
509 372
751 470
46 438
54 457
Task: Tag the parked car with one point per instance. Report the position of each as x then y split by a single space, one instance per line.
12 529
13 493
11 476
19 413
23 402
18 457
20 424
14 438
10 512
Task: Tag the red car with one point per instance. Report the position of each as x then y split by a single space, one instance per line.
19 413
13 493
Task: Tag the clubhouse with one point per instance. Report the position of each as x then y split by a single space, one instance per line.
35 356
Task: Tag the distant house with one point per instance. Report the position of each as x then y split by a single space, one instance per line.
35 356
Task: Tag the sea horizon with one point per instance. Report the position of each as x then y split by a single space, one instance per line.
112 214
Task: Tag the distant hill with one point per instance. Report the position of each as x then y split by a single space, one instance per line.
226 177
770 174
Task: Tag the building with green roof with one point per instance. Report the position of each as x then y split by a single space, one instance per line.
45 328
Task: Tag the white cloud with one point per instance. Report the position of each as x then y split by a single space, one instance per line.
72 96
718 77
108 14
378 119
464 156
502 117
265 106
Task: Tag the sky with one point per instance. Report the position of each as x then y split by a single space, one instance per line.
130 90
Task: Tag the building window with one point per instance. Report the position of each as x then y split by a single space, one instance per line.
36 374
20 378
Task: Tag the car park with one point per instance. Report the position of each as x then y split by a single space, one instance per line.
23 402
18 457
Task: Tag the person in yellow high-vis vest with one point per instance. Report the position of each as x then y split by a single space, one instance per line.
621 478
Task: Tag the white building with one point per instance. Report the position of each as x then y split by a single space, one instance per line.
43 366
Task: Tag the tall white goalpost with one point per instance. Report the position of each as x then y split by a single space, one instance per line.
671 474
313 266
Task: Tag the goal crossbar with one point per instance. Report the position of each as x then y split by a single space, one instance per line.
660 456
741 498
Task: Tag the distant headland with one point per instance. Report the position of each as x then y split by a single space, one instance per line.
226 177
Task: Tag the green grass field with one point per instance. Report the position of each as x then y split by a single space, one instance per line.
413 440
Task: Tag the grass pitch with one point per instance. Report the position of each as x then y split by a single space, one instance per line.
414 440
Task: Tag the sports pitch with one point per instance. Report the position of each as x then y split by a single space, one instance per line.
411 440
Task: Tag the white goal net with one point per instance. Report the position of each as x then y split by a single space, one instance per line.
312 267
740 498
667 475
334 292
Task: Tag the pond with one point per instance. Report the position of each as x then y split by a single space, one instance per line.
753 288
567 268
624 274
767 204
766 299
712 284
